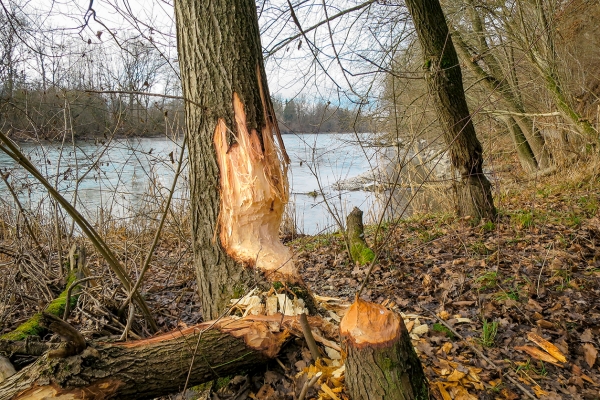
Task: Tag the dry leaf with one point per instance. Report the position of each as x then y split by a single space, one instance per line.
590 354
547 346
538 354
447 347
444 315
443 391
420 330
456 376
409 326
587 336
539 392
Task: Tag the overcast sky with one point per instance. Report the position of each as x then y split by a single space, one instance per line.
331 66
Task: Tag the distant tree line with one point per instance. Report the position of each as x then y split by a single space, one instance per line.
302 116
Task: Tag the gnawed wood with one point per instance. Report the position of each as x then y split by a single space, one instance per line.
254 191
381 362
152 367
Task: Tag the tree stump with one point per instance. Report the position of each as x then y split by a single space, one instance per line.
381 362
359 251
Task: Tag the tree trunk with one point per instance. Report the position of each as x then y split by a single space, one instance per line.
238 178
524 152
530 145
381 362
152 367
444 79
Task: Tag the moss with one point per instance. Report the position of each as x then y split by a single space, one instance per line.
222 382
303 293
277 285
238 291
32 326
441 328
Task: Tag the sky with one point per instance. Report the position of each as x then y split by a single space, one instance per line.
328 64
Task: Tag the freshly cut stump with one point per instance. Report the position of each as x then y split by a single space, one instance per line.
381 362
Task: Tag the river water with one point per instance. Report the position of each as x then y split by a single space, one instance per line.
127 177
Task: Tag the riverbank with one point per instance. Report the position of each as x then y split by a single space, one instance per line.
534 271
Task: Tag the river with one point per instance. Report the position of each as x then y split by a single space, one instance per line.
131 176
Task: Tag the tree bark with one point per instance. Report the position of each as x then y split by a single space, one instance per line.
152 367
238 177
444 80
381 362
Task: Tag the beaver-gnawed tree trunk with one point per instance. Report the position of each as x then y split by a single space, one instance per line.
381 362
237 170
444 79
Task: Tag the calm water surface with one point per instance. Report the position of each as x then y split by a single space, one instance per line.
131 176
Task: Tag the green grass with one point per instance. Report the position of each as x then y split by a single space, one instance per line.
523 219
488 333
487 280
488 226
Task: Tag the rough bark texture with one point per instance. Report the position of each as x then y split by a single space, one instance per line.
444 79
359 251
149 368
238 183
381 362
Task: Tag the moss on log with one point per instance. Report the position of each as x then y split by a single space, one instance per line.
32 326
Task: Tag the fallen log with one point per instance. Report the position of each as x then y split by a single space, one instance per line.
60 306
381 362
153 367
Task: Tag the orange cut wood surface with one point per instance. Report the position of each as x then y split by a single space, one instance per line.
370 324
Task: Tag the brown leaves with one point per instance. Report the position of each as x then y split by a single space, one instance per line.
590 354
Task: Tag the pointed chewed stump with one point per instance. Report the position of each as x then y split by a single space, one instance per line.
381 362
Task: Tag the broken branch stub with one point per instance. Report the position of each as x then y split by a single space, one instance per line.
254 192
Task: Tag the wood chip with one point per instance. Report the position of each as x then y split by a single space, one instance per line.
538 354
547 346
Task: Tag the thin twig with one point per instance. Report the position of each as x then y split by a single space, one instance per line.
70 289
308 336
8 147
129 323
308 385
158 231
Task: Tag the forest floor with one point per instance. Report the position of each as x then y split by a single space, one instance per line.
482 290
473 297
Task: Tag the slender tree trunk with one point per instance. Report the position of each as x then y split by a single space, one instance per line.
531 147
524 152
237 171
444 79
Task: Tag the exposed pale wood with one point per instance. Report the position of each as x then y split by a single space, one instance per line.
253 196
